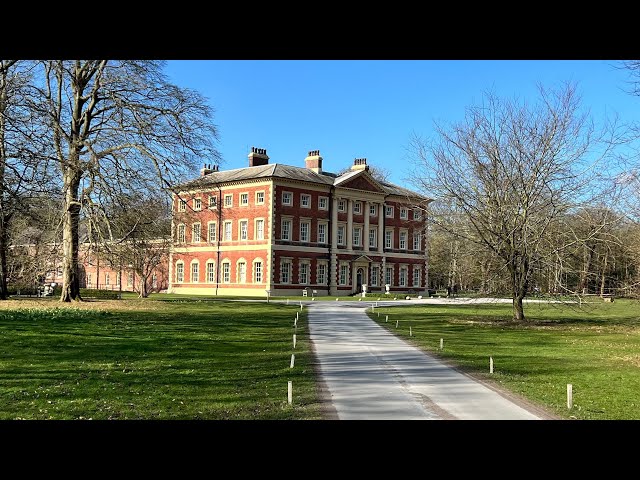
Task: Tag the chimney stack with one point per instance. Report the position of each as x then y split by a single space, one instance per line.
360 164
258 156
314 161
208 169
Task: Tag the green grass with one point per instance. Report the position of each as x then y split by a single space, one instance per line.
146 359
596 348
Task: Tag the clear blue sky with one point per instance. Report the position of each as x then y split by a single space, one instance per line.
351 108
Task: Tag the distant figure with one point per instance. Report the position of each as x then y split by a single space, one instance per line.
448 291
455 289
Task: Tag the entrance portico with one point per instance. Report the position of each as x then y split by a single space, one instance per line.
360 273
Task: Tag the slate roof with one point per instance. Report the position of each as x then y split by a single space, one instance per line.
279 170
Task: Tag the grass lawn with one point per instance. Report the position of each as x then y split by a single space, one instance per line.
595 348
153 359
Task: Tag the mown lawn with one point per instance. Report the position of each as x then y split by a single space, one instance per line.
596 348
152 359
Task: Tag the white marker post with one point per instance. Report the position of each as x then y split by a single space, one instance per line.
290 392
378 314
490 364
386 318
287 301
410 332
569 396
336 299
397 323
293 360
295 323
300 305
294 340
441 343
297 316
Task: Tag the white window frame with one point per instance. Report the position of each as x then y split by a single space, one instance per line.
154 280
179 271
226 271
404 213
402 276
417 270
259 235
388 238
197 204
321 201
343 277
342 205
244 195
196 228
340 234
285 262
211 272
88 280
375 275
129 279
288 195
372 209
303 197
323 238
389 211
196 264
307 268
257 272
357 208
181 233
373 231
107 279
357 236
289 228
417 241
402 239
241 270
321 278
388 274
308 225
212 238
258 201
182 205
118 275
213 202
243 222
417 214
228 231
229 203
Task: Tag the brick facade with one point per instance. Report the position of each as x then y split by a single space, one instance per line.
314 229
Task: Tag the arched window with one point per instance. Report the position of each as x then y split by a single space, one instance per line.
179 271
195 271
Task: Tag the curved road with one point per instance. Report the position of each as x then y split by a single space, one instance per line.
372 374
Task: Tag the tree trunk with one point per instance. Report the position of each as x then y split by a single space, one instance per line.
144 293
518 311
70 279
519 267
4 293
584 275
604 271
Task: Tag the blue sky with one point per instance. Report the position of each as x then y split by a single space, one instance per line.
354 108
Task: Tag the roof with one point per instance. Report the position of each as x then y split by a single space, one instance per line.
290 172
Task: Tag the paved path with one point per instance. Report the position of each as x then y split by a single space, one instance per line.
372 374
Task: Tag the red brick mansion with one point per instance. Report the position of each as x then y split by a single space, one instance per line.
286 229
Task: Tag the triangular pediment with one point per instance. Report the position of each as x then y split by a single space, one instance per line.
361 180
362 258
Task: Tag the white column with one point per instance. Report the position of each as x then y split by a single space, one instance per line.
349 224
365 234
333 268
381 228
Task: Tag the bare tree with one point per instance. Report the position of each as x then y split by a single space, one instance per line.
511 169
118 127
133 234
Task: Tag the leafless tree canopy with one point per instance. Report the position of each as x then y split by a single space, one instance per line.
511 170
117 127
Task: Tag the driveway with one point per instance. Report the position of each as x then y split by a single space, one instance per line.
371 374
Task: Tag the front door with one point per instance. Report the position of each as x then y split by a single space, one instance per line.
359 277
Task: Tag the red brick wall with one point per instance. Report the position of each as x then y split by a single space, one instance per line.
296 212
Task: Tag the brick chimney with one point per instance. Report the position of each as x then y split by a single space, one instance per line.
360 164
258 156
314 161
207 169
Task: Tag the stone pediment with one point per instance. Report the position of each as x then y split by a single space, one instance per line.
363 182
